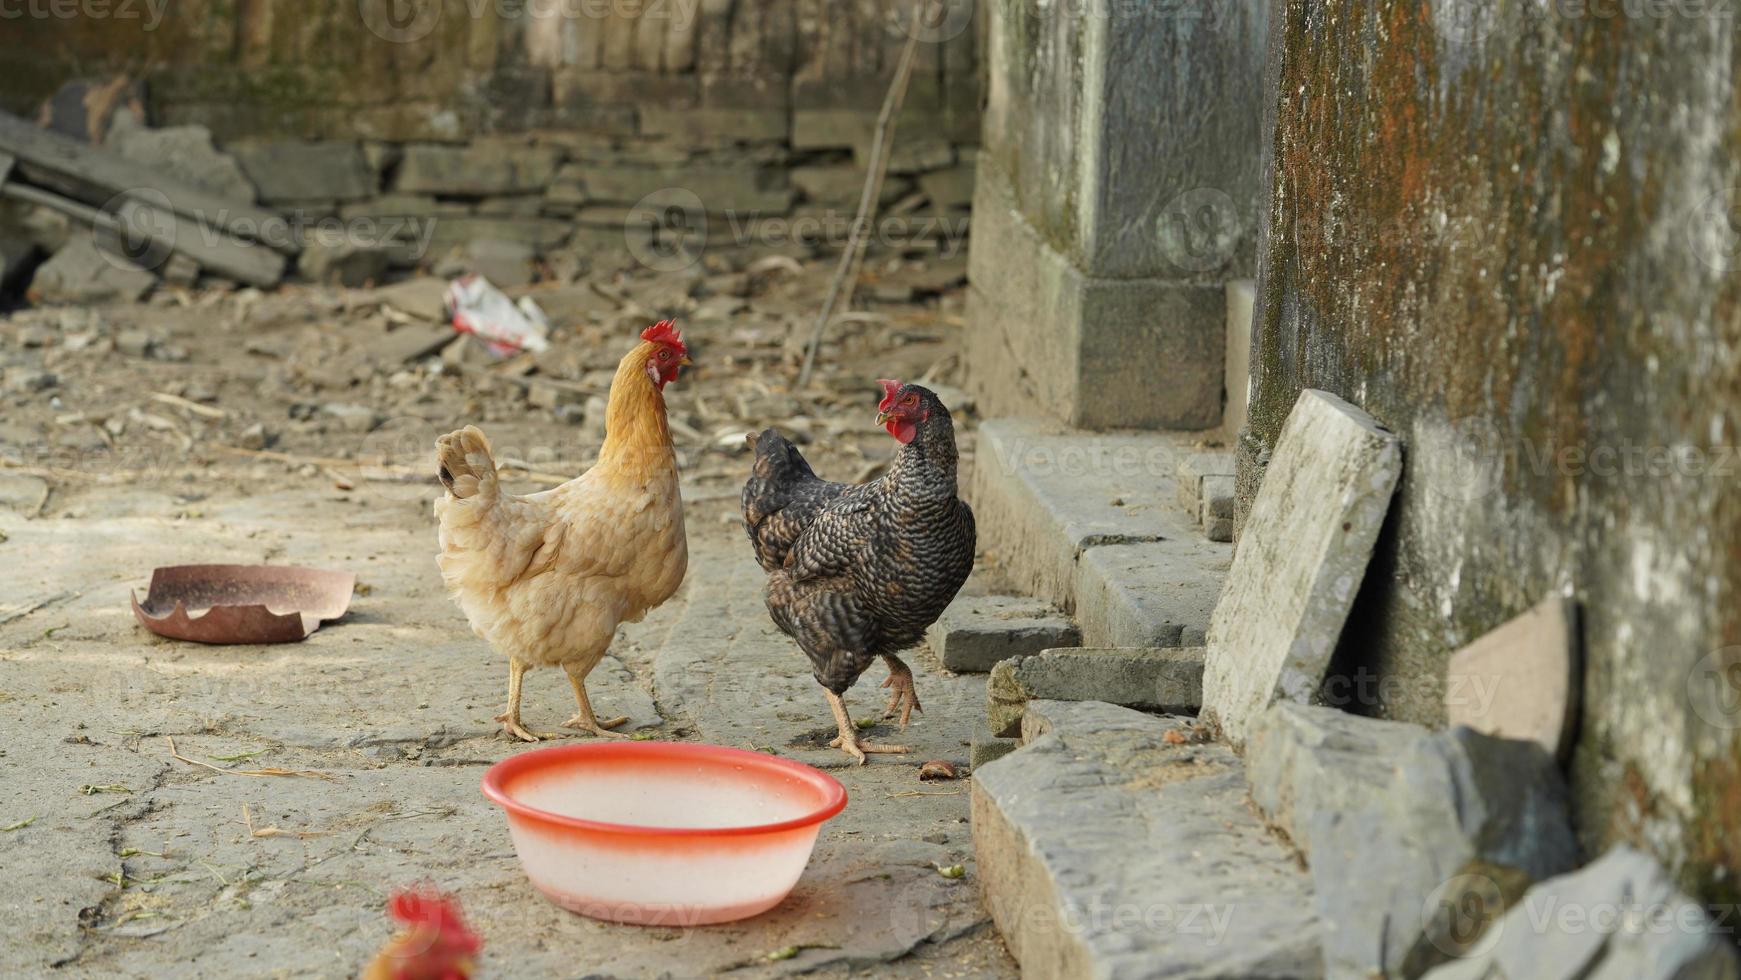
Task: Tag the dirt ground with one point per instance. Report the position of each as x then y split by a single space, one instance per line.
291 428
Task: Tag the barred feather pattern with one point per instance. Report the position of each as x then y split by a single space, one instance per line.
857 572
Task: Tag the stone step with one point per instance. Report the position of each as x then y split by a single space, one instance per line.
1165 679
1092 522
1105 850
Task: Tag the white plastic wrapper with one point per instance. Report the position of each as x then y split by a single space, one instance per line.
481 309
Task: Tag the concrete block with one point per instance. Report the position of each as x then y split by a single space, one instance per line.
292 171
1061 343
1193 468
1104 851
1301 560
1168 680
1089 522
1619 918
976 632
1369 800
1217 507
1521 680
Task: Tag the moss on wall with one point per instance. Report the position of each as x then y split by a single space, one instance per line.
1506 235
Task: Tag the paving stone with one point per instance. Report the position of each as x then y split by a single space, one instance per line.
1106 852
82 273
295 172
187 153
1619 918
1367 800
477 169
1089 522
1168 680
975 632
1522 679
1300 561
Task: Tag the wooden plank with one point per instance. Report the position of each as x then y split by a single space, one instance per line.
95 177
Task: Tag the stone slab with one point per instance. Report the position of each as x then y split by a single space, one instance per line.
1521 680
186 153
976 632
1194 468
1619 918
1368 800
1166 680
1300 561
1106 852
1089 522
1216 507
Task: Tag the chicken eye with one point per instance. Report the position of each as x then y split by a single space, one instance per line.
664 355
911 400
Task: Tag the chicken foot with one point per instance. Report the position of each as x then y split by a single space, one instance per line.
849 741
510 719
903 698
584 720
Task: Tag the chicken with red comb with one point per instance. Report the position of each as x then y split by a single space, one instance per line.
435 943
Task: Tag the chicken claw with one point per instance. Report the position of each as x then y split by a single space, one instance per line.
511 725
848 741
903 697
586 723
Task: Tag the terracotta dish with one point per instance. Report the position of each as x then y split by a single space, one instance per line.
242 603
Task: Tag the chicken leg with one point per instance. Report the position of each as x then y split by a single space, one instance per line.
584 720
510 719
848 741
903 699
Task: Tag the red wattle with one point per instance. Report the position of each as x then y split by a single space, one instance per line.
902 430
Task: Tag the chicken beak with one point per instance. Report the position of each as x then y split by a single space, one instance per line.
884 417
684 361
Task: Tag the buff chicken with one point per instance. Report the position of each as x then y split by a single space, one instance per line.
546 578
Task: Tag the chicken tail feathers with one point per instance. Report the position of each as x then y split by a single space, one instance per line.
464 463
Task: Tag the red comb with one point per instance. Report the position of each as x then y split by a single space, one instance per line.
889 389
430 908
663 332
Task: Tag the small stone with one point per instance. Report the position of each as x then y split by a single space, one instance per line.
352 418
254 437
1216 512
135 343
29 381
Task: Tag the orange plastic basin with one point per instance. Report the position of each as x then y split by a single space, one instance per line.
662 833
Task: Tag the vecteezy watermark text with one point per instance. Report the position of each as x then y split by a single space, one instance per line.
149 11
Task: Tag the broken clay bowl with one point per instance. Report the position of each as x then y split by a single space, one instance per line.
242 603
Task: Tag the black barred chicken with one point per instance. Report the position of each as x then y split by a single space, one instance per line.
859 572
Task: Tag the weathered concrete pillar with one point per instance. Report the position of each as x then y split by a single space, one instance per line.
1116 195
